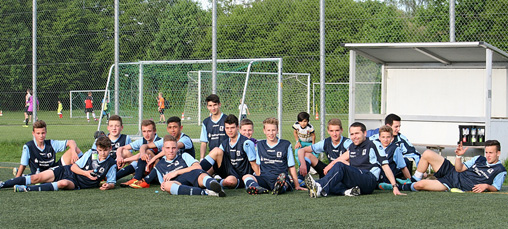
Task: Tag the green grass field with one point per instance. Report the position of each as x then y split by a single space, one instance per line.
125 207
130 208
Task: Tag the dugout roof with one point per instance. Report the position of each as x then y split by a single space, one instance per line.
444 53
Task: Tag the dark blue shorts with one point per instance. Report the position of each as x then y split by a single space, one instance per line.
65 173
268 181
190 178
448 175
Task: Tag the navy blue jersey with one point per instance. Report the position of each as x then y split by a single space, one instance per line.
273 161
115 145
215 131
480 173
334 152
368 156
155 150
190 151
101 170
41 159
238 156
410 149
164 166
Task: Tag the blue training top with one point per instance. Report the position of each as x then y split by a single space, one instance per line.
332 151
274 160
213 132
241 154
368 156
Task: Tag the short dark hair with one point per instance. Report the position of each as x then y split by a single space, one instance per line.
39 124
103 142
493 143
148 122
231 119
174 119
390 118
116 118
212 98
303 116
170 138
359 124
246 122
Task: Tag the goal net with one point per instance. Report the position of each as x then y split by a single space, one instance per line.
77 102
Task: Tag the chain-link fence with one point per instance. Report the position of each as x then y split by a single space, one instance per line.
75 43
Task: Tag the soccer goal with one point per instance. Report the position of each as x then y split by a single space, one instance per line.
77 102
140 82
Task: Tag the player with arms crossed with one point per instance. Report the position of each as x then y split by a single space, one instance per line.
334 146
150 153
180 174
355 172
93 167
149 131
40 154
481 173
275 159
234 158
212 131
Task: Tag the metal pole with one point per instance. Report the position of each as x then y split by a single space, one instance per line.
214 47
34 60
199 98
140 99
322 73
352 86
117 57
452 20
308 93
488 92
245 88
279 92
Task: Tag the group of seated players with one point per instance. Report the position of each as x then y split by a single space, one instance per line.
368 160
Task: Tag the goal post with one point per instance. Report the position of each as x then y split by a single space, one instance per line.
77 102
140 82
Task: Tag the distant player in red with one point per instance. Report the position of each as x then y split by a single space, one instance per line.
89 107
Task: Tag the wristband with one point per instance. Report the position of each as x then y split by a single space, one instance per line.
457 156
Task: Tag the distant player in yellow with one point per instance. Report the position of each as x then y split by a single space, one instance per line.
59 110
160 103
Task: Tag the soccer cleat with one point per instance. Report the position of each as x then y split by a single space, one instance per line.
140 184
212 193
254 190
385 186
279 184
1 184
456 190
313 187
354 191
14 171
20 188
217 188
406 181
128 183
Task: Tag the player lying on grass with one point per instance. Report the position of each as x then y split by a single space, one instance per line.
393 152
333 147
234 158
93 167
115 127
275 159
356 171
247 130
40 154
181 174
149 131
148 158
212 131
409 152
481 173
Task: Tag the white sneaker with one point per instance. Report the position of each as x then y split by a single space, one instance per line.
312 171
354 191
314 188
212 193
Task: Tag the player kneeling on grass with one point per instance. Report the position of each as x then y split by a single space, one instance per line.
87 172
181 174
275 159
234 158
356 171
394 153
481 173
334 147
40 154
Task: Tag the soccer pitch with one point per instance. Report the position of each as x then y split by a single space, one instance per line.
143 208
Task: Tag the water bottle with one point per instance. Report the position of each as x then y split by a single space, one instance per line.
38 171
95 160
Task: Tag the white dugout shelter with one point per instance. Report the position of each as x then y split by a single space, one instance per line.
433 87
